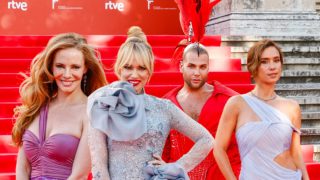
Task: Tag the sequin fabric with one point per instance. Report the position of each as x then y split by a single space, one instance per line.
126 159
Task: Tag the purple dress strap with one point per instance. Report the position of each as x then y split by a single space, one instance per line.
43 123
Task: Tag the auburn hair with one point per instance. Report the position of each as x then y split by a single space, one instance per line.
40 87
255 52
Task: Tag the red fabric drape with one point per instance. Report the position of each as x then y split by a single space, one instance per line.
197 12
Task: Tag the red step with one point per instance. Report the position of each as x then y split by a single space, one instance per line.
6 145
232 77
105 40
10 79
166 65
6 125
6 109
107 52
161 64
27 41
219 52
313 167
159 52
19 52
225 65
8 162
241 88
161 90
7 176
307 153
15 65
175 78
9 94
313 170
23 65
154 40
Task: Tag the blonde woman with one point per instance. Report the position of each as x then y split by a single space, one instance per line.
51 123
129 127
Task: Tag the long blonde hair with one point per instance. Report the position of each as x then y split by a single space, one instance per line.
135 47
39 88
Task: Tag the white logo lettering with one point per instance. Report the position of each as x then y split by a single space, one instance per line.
18 5
54 3
114 6
149 3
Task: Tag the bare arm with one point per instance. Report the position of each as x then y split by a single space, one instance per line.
81 164
23 168
190 128
295 144
99 154
226 127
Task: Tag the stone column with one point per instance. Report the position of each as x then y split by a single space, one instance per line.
265 18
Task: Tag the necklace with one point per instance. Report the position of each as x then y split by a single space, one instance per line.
270 99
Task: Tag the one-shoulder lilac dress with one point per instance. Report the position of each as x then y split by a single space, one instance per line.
260 142
51 158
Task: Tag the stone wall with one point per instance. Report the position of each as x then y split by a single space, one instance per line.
228 6
265 18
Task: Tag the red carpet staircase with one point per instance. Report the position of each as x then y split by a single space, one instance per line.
16 53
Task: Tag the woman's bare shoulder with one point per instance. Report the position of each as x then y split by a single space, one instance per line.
291 108
236 100
235 104
289 103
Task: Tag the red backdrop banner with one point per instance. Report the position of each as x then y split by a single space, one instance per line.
49 17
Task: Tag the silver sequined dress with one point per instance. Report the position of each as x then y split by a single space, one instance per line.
126 159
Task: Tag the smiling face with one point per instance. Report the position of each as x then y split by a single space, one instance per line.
68 69
136 73
269 70
195 69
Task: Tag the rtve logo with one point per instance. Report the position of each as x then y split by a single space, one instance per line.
114 6
54 3
149 3
18 5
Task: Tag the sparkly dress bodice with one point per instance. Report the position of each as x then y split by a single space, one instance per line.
127 158
139 151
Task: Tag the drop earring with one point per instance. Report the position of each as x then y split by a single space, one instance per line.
84 82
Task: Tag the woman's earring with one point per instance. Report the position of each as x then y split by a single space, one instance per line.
84 82
51 87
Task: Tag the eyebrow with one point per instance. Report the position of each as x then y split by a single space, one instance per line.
271 57
74 64
138 65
